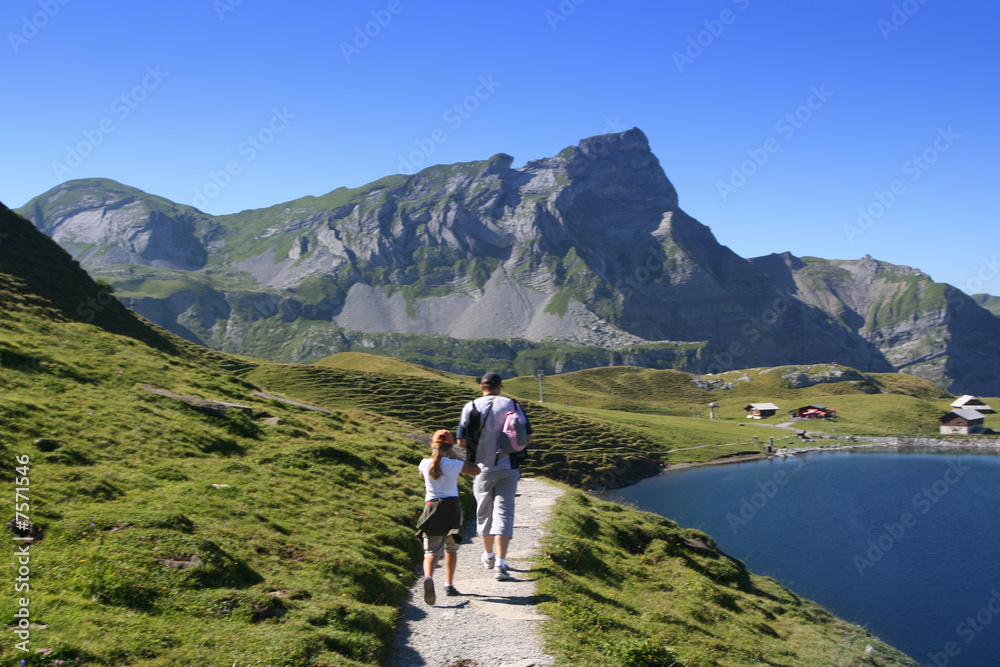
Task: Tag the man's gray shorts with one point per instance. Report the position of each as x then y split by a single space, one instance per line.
495 492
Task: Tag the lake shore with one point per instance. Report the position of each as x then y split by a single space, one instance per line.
840 443
858 442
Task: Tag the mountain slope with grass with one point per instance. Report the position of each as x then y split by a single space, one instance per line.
168 531
989 302
866 403
928 329
578 260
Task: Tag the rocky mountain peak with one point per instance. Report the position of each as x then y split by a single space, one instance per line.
621 165
499 164
633 140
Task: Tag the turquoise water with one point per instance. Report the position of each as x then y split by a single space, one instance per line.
906 544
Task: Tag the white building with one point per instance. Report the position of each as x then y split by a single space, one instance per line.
972 403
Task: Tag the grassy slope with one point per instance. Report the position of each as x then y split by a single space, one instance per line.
358 361
576 449
905 404
307 552
626 589
689 440
132 484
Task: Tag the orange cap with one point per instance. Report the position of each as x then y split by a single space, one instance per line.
442 435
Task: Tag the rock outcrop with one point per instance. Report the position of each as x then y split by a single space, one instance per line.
921 327
104 223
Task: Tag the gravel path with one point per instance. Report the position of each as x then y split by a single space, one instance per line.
493 623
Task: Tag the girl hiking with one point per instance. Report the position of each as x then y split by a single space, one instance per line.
440 525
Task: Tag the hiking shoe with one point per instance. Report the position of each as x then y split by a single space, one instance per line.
488 561
451 591
500 573
429 597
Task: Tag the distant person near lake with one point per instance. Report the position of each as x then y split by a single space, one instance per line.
480 432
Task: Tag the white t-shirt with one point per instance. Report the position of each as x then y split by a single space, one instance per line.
445 486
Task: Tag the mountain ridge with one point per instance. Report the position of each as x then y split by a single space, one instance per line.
588 247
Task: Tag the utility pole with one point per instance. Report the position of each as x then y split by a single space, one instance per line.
541 398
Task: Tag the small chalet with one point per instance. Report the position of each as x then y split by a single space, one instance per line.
761 410
968 402
815 412
961 422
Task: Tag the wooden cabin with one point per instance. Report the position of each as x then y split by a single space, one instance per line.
815 412
961 422
761 410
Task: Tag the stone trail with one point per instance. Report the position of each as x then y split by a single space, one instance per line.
493 623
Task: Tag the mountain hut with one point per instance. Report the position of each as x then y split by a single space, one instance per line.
761 410
815 412
961 422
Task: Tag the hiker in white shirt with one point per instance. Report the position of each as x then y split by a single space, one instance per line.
441 521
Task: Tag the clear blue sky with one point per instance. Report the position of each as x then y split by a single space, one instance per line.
162 95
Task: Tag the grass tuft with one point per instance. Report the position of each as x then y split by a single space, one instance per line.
627 588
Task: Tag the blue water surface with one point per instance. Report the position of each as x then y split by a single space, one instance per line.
906 544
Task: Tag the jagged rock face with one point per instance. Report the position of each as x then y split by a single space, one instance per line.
589 247
117 225
921 327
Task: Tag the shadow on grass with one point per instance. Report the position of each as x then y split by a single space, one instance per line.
223 447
